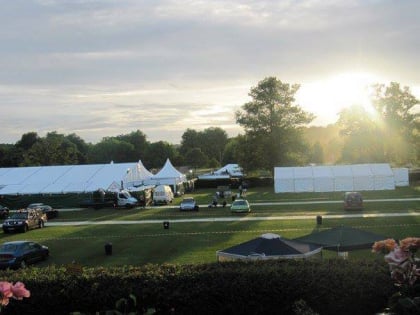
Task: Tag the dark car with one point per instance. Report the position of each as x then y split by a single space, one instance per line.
24 220
48 210
19 254
4 212
188 204
353 200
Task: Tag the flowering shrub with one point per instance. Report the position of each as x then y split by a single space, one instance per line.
405 272
15 291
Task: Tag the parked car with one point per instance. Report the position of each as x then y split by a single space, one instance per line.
48 210
353 200
19 254
24 220
188 204
4 212
240 205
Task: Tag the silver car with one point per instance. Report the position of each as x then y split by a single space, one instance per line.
188 204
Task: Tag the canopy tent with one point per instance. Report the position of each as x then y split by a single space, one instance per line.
168 175
227 171
269 246
64 179
137 175
341 239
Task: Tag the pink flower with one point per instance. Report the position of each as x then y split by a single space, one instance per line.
410 244
5 292
397 256
19 291
6 289
384 246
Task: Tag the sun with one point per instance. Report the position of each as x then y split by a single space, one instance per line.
327 97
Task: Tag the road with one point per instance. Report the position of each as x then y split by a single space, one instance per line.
252 218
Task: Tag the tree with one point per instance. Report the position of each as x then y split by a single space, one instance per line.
140 144
272 124
54 149
196 158
400 114
111 149
158 153
363 142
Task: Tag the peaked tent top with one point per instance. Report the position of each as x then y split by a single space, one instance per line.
168 171
270 246
342 239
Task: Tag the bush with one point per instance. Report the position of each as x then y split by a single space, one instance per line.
262 287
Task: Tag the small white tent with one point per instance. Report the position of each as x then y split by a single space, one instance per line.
137 175
168 175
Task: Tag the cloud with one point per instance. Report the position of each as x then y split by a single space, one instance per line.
82 64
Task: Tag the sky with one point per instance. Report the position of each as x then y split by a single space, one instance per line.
102 68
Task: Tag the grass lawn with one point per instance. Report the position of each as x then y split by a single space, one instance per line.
197 242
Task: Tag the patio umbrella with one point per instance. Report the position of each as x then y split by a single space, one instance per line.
342 239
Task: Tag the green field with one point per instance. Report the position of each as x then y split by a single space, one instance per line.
197 242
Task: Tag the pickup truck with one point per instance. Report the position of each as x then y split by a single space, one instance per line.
24 220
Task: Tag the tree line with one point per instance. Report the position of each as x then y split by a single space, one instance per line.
276 133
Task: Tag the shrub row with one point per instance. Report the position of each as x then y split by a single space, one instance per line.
263 287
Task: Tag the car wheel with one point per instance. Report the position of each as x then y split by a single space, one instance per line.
25 228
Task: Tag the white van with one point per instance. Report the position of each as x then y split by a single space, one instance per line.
162 194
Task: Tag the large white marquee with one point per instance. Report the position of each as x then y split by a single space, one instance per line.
359 177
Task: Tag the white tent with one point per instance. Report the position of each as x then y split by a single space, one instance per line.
362 177
284 180
137 175
62 179
383 177
401 177
168 175
304 179
336 178
323 179
343 178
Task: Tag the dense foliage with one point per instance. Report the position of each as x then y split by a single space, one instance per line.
262 287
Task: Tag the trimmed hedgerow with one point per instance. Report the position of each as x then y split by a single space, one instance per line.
261 287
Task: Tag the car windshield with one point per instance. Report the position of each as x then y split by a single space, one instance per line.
240 203
9 248
188 201
19 215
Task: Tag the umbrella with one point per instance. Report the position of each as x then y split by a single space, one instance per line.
342 239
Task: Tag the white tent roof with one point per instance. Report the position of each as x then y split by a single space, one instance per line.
64 179
168 172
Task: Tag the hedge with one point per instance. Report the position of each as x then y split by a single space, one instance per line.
332 286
